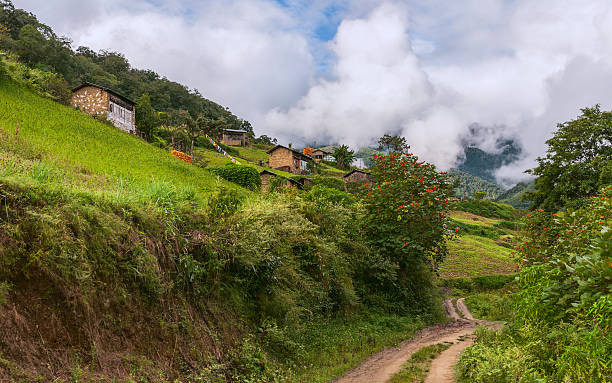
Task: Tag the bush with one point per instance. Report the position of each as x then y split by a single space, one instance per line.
329 182
245 176
324 194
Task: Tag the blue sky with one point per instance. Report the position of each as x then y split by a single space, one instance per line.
349 71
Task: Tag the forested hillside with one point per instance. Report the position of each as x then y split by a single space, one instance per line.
481 164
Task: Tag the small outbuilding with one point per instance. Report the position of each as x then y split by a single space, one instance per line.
234 137
100 101
357 176
289 160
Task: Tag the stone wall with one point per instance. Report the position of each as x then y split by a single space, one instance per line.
282 157
91 100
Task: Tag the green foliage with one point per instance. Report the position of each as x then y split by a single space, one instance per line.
515 195
406 221
406 209
395 144
329 182
324 194
480 283
417 368
490 305
243 175
487 209
469 184
146 117
344 157
479 230
224 203
577 162
560 329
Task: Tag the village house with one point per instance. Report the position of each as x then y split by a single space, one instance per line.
284 182
234 137
289 160
99 101
357 176
320 155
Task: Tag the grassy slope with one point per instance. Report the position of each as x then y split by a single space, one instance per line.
483 251
75 140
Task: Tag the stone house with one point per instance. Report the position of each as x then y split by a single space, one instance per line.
357 176
289 160
234 137
285 182
99 101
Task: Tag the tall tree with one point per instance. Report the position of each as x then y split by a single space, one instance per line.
146 117
577 164
393 144
344 157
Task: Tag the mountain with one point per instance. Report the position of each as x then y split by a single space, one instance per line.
470 184
513 196
479 163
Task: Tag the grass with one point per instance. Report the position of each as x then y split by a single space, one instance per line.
473 219
417 368
61 137
494 305
336 345
471 256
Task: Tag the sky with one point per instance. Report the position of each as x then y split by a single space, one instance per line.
340 71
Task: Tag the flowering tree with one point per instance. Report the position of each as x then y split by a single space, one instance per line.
406 210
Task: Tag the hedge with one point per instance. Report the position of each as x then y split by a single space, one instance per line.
245 176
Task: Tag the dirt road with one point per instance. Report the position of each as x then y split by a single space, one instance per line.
380 367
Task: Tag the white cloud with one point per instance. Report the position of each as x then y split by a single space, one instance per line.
431 72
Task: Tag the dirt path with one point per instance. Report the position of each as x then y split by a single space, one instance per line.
380 367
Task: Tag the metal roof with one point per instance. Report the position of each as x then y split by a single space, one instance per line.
235 130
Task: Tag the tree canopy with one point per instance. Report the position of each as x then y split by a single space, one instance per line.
578 162
393 144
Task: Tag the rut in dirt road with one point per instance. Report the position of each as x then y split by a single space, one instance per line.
380 367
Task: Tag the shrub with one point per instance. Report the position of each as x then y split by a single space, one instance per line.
324 194
329 182
245 176
224 203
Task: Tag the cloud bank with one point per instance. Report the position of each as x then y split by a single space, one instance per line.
348 72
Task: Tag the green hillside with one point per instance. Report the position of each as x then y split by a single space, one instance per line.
513 196
470 184
487 232
40 131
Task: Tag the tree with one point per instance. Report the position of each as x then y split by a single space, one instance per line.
479 195
406 217
265 140
577 162
146 117
344 157
395 144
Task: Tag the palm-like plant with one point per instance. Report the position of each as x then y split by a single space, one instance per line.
344 157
